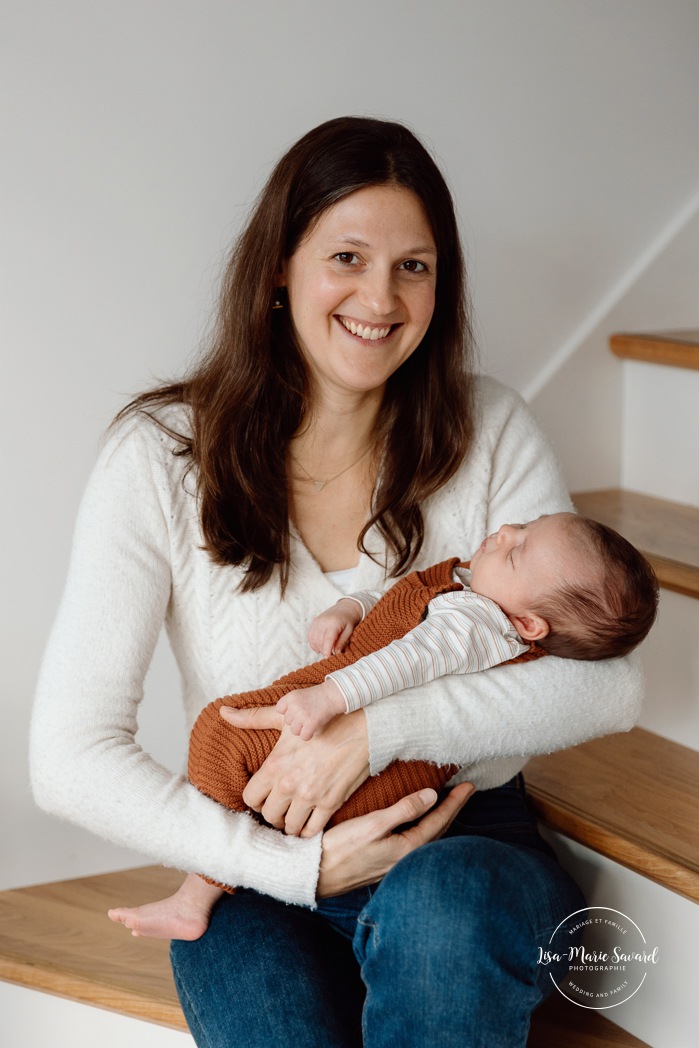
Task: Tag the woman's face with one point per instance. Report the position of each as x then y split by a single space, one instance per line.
361 288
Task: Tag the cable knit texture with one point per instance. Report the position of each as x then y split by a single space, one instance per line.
138 563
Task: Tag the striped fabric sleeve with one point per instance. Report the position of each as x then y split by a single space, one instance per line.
463 633
366 599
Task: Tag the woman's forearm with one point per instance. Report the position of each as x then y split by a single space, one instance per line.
108 785
514 710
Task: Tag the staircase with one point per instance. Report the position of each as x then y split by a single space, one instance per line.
631 801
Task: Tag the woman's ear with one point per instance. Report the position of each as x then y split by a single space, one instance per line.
530 627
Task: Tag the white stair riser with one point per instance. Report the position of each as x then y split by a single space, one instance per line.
660 435
663 1013
671 661
31 1019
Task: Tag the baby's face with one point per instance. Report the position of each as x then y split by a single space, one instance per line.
522 562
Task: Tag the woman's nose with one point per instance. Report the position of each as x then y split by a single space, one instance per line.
378 293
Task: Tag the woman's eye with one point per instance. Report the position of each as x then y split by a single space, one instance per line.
413 266
348 258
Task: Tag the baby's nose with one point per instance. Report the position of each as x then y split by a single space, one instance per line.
506 533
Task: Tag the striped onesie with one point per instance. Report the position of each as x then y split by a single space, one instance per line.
463 632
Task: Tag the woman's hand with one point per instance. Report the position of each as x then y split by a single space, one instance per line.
301 784
361 851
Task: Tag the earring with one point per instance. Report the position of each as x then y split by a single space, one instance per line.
278 302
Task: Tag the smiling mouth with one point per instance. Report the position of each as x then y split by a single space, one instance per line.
366 331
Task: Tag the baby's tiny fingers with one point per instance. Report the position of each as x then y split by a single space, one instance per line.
283 705
343 638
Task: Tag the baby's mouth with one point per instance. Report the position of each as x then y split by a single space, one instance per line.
366 331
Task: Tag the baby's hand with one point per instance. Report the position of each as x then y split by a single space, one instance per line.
308 709
331 630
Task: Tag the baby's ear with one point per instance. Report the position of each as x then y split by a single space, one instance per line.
530 627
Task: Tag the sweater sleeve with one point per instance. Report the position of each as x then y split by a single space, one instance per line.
86 764
518 710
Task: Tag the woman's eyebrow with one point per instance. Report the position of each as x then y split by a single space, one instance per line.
423 249
345 239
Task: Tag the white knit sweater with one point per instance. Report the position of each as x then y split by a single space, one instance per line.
137 562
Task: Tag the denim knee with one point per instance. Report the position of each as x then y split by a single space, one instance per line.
268 974
448 944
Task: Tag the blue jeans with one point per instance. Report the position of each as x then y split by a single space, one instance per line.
442 952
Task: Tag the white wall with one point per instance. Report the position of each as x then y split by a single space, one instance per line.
137 133
596 407
38 1020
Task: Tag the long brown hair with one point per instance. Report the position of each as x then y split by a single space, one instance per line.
249 393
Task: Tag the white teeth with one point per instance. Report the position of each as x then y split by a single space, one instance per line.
366 332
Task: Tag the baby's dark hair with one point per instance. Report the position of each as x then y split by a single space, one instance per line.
610 615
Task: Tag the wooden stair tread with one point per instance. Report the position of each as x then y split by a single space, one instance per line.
561 1024
667 532
671 348
633 797
58 939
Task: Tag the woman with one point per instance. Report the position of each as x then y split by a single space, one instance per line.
334 437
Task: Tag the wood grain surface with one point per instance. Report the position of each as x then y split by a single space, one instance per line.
666 532
633 797
57 938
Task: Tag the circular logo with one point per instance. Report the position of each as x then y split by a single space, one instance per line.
607 953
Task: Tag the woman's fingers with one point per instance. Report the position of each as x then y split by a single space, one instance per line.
320 773
299 819
407 809
303 821
436 823
361 851
258 717
317 821
295 820
301 784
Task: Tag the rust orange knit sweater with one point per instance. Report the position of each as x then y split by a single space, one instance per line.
223 758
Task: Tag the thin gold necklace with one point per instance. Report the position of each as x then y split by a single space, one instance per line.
320 484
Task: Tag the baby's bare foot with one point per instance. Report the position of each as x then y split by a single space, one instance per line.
160 920
184 915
